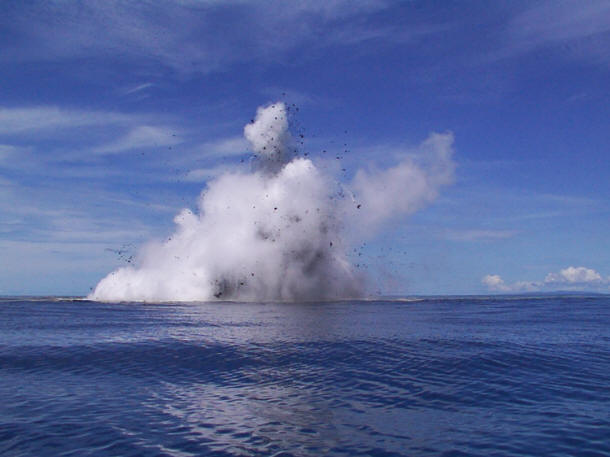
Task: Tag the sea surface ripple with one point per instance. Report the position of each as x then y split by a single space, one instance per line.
470 376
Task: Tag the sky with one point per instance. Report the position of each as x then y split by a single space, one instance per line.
115 114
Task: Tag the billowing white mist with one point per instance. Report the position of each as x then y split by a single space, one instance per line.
279 232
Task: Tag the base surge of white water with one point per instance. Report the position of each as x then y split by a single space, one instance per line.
281 231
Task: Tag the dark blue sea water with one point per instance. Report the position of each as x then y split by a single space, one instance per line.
474 376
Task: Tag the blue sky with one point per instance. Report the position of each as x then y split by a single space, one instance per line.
114 114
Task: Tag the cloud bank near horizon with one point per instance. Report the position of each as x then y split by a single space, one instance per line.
576 278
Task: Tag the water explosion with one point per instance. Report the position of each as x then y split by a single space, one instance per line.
282 230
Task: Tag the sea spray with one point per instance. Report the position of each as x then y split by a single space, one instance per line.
281 231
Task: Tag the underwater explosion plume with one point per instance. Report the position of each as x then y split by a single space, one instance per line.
282 231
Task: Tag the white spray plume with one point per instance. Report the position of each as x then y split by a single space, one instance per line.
278 232
269 137
403 189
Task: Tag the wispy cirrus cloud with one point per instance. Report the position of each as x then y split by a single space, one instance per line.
9 151
580 28
222 147
66 143
204 174
20 120
136 89
478 235
188 36
551 22
143 136
61 142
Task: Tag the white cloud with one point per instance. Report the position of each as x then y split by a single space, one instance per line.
138 88
479 235
582 25
495 283
187 36
552 21
6 149
203 174
568 278
9 151
223 147
26 120
574 275
144 136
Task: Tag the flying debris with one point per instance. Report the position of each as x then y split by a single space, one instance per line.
239 245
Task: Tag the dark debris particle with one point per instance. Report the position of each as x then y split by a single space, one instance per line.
358 206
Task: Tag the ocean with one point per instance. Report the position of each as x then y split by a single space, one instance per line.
448 376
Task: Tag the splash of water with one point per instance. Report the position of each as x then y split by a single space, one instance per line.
279 232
